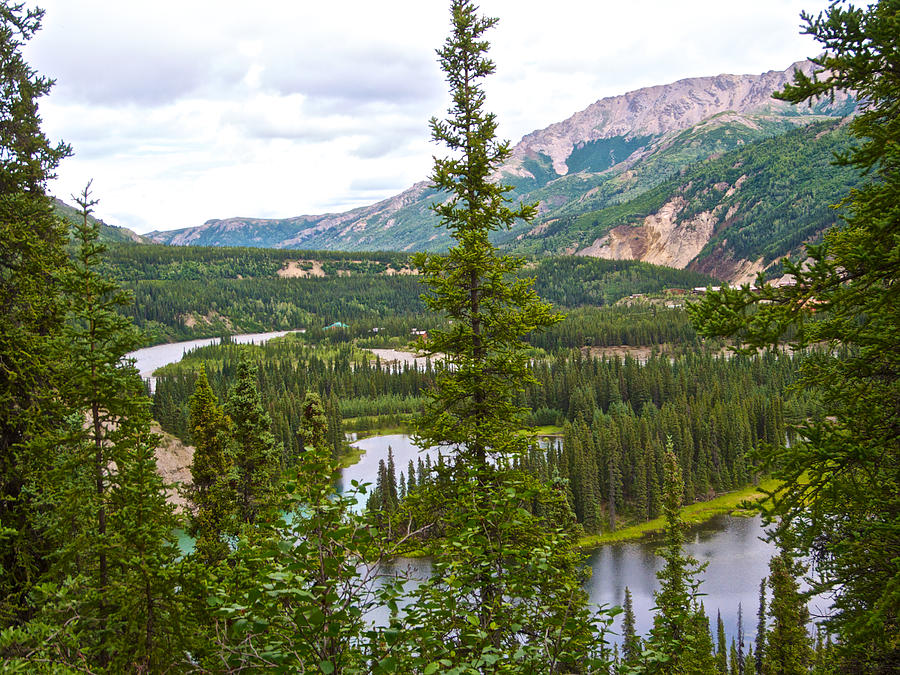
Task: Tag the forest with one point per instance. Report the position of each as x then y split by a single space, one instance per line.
190 292
796 383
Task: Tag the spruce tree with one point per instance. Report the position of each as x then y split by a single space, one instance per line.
677 643
111 592
254 453
211 492
486 595
631 643
788 646
841 474
761 628
722 646
32 244
317 564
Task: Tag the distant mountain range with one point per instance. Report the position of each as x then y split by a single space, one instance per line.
709 173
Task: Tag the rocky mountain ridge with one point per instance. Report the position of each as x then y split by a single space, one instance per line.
613 151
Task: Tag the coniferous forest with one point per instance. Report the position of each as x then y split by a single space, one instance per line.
648 400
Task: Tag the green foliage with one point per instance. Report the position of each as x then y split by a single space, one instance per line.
253 452
788 646
631 643
306 594
210 492
679 641
31 310
782 191
109 594
571 281
841 504
500 570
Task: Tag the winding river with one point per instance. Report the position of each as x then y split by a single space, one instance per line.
147 360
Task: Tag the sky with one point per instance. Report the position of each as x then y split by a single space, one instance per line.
185 111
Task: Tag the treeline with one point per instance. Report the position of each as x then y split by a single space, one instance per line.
134 262
184 292
620 414
170 311
349 385
640 324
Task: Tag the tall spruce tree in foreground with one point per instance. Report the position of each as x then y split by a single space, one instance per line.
788 645
841 496
253 450
505 591
108 602
31 311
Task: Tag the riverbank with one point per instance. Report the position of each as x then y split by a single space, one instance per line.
693 514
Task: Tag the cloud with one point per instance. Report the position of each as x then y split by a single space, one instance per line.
377 184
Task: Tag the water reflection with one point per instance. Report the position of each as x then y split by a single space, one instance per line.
737 560
737 557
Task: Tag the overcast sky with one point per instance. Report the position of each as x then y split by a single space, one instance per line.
197 109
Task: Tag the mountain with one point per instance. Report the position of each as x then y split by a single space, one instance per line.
613 152
731 216
110 233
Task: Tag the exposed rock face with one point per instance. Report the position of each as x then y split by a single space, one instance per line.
661 239
173 462
656 111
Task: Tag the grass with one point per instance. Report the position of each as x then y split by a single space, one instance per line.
351 457
694 514
548 430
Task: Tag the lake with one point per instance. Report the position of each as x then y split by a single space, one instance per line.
737 556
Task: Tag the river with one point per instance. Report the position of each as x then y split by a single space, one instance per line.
737 557
147 360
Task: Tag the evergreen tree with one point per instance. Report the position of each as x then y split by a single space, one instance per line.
677 643
211 493
312 615
486 592
254 453
842 474
31 311
631 643
788 648
761 628
110 594
722 646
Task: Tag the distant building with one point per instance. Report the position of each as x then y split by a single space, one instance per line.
337 324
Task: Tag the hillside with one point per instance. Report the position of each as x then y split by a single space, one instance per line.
108 233
730 216
193 291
